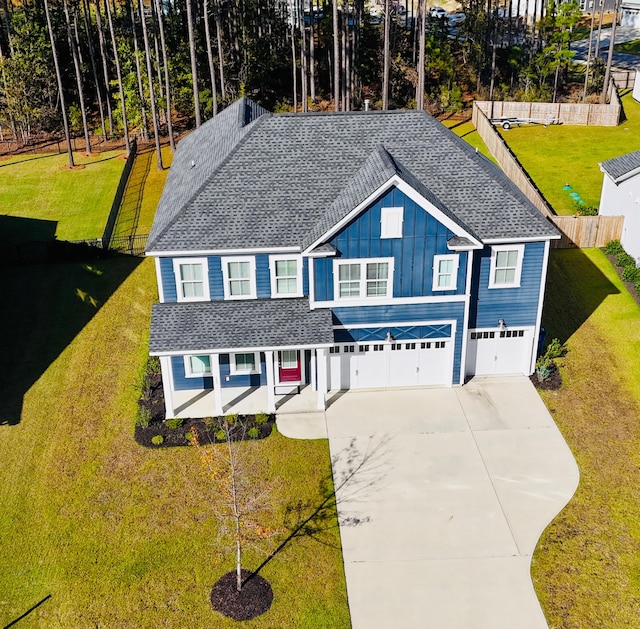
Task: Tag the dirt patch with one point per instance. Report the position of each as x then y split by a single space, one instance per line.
253 599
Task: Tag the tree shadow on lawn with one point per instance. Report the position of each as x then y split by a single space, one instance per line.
575 289
44 308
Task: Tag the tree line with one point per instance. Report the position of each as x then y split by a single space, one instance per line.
118 68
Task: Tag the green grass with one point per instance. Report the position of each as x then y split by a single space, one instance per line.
118 535
42 187
561 154
629 47
586 567
468 133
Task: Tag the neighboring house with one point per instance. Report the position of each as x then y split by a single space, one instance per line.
621 197
350 250
630 13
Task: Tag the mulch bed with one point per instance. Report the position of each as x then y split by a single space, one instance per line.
152 399
551 383
630 287
253 599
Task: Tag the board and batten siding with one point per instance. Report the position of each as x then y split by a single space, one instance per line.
516 306
422 237
406 313
182 383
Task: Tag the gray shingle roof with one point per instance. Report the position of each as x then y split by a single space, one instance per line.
618 167
284 178
256 323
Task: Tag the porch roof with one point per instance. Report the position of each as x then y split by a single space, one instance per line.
234 325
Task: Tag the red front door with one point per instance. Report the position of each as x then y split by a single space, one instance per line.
289 365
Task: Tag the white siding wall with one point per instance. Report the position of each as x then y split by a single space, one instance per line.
624 199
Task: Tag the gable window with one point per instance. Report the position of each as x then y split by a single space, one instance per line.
197 366
245 364
391 222
192 282
239 276
506 266
363 279
445 272
286 276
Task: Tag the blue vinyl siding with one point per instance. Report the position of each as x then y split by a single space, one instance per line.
374 335
517 306
216 286
422 237
263 277
180 380
182 383
168 280
406 313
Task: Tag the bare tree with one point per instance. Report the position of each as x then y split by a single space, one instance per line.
167 85
134 34
94 70
421 30
386 53
63 107
194 65
103 55
336 57
612 41
212 71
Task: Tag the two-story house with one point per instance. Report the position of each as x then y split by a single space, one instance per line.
337 251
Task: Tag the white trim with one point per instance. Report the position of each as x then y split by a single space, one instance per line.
362 262
321 254
501 241
204 262
399 183
391 222
188 371
217 384
159 280
240 350
252 277
518 268
455 258
536 332
271 390
321 371
272 273
224 252
312 283
465 320
398 301
233 369
166 368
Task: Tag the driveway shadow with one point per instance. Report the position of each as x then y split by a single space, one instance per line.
575 289
44 308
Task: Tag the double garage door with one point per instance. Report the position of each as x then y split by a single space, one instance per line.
397 364
492 352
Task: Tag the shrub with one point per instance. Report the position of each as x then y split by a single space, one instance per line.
253 432
587 210
631 274
174 423
555 349
261 418
211 423
157 440
189 436
613 248
623 259
144 417
231 419
221 435
544 368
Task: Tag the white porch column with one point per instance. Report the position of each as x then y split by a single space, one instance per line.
314 383
167 385
217 387
271 382
321 370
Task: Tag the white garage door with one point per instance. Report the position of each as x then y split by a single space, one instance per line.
492 352
397 364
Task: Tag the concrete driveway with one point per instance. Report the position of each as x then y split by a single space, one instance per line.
439 524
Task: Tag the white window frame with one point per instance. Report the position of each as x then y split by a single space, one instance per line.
362 262
391 220
177 263
252 276
518 268
455 258
234 371
274 279
188 370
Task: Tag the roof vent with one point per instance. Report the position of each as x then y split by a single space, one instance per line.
193 163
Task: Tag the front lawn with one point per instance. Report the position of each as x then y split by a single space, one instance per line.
42 187
586 568
99 530
560 154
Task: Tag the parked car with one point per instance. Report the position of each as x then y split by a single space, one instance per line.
455 19
437 12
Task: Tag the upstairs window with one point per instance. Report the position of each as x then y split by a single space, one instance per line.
363 279
239 276
391 222
445 272
192 282
286 276
506 266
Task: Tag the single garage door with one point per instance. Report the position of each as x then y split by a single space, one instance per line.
492 352
397 364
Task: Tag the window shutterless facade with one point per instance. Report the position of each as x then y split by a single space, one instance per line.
363 279
244 364
445 272
239 276
197 366
506 266
286 276
192 279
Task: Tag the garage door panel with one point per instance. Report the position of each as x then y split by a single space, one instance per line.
495 352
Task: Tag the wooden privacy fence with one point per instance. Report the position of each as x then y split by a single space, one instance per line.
577 231
587 231
565 113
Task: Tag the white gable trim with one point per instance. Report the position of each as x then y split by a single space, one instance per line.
394 181
616 180
514 241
